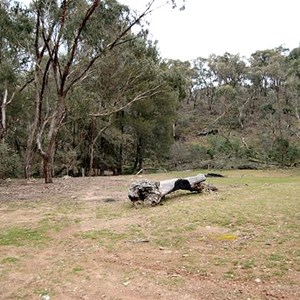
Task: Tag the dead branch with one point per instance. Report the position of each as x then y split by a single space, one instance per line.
139 97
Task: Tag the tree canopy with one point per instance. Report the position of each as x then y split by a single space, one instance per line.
81 93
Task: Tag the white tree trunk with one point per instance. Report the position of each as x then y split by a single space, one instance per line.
4 104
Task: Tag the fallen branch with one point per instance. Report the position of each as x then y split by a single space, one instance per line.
138 241
151 193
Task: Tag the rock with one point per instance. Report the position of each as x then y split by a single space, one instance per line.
257 280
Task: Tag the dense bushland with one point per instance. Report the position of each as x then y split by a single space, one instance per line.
83 96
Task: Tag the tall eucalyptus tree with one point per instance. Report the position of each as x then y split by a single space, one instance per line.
70 37
15 29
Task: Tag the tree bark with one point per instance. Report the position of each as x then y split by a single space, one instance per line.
91 159
47 169
138 163
152 193
39 83
92 141
4 103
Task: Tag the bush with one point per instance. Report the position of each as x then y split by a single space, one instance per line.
188 155
10 163
284 153
221 146
219 153
66 160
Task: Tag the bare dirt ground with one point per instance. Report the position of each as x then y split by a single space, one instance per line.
91 244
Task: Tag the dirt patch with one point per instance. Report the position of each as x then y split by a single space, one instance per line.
87 242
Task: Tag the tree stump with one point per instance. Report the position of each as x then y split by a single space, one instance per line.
151 193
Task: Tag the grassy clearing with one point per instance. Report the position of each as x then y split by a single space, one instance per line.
252 220
253 223
249 229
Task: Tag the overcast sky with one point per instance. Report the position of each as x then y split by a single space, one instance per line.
218 26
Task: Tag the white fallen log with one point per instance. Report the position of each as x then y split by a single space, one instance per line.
151 193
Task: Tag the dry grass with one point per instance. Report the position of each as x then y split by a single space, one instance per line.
83 239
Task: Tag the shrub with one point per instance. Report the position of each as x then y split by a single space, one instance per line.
10 163
284 153
188 155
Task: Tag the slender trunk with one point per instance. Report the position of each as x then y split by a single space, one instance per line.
5 102
55 124
29 154
121 149
120 161
48 158
174 130
92 141
30 149
91 159
47 169
138 163
27 163
33 130
3 117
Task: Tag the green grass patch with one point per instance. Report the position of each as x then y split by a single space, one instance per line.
77 269
112 238
277 263
115 210
230 274
19 236
172 281
56 224
9 260
248 264
103 235
35 236
224 237
66 207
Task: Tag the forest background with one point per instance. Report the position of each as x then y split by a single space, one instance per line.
81 93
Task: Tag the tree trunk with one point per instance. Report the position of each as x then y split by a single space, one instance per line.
48 156
3 117
55 125
27 164
120 161
33 130
121 116
151 193
4 103
91 140
47 168
138 163
91 159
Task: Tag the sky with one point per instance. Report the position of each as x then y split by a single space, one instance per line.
217 26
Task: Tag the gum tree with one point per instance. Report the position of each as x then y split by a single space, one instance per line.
64 54
15 28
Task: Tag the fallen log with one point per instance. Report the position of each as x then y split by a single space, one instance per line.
151 193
